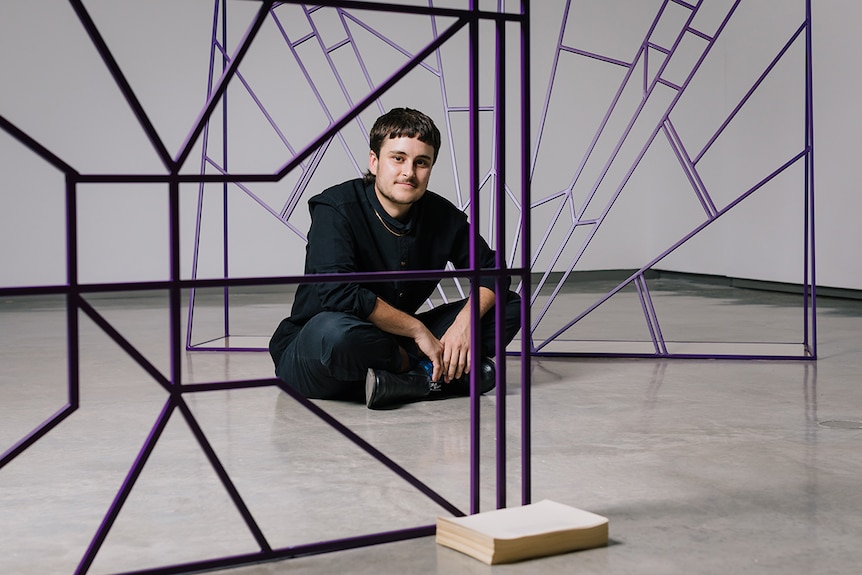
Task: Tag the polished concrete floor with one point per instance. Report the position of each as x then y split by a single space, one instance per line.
701 466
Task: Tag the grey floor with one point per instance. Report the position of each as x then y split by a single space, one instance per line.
701 466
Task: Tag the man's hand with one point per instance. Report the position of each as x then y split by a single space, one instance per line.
456 340
433 349
450 354
394 321
456 347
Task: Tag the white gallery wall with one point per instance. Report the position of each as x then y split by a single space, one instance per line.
57 90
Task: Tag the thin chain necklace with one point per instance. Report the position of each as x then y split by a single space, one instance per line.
388 229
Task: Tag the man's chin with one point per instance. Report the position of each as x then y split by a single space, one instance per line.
406 199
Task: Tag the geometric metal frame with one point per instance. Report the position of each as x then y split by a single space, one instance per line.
647 67
228 340
172 383
75 291
652 79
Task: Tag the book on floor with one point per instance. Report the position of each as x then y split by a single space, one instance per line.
518 533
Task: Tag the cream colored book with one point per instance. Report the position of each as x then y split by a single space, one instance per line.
517 533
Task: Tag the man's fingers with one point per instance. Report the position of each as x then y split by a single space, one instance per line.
437 371
462 364
457 365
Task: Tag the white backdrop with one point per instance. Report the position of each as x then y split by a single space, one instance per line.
57 90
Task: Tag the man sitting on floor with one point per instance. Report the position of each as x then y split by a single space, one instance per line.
340 336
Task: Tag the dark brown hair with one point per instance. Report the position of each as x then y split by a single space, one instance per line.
403 123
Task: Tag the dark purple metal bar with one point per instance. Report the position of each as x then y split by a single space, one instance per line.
290 552
123 84
225 385
124 344
225 62
689 168
547 103
73 295
595 56
38 433
227 483
810 287
500 262
750 92
34 290
35 146
276 280
368 448
126 488
72 341
524 272
686 4
202 169
175 291
475 436
650 315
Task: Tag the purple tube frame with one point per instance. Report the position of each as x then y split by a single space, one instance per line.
76 292
688 163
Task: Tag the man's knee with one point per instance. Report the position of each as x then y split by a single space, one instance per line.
513 315
347 345
513 304
338 334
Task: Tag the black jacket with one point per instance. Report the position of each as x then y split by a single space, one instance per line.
346 235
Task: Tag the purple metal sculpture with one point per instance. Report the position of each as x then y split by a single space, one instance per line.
304 159
642 70
284 213
652 78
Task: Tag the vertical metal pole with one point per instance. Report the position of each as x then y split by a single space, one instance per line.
810 268
175 295
526 343
72 331
203 167
500 263
224 115
474 263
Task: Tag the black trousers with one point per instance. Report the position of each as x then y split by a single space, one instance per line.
330 356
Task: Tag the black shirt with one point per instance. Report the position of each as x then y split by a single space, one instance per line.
347 235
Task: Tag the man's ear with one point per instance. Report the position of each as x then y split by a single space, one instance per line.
372 162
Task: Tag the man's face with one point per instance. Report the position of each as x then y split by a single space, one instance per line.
402 172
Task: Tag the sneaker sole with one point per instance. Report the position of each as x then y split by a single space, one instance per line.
370 381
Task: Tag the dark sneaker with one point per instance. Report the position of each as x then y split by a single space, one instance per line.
384 388
461 386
